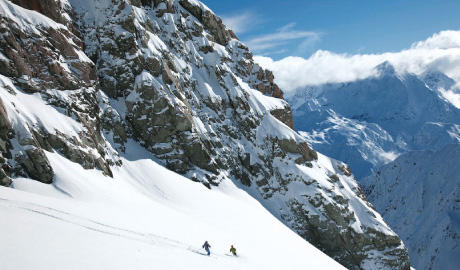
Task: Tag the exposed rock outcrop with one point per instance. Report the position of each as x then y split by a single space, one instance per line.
53 9
219 32
43 57
6 133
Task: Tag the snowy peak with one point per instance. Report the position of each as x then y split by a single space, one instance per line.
385 69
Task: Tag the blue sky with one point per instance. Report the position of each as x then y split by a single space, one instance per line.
299 28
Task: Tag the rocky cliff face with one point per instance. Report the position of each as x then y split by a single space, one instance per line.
171 77
6 133
44 59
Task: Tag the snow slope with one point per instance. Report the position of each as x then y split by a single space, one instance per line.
145 217
418 194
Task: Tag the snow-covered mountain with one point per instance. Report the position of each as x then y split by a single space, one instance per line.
100 97
444 85
418 194
369 122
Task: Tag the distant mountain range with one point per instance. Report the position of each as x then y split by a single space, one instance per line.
369 122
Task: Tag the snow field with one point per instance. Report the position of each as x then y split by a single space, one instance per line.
151 218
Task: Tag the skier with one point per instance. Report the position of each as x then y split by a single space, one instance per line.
233 250
206 247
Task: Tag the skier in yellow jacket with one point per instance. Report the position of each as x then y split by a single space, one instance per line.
233 250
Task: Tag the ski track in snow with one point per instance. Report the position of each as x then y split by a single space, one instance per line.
99 227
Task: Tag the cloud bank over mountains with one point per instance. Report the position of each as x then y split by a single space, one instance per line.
440 52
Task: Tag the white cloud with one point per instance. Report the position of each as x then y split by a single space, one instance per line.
275 52
287 27
242 22
308 44
281 37
439 52
442 40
